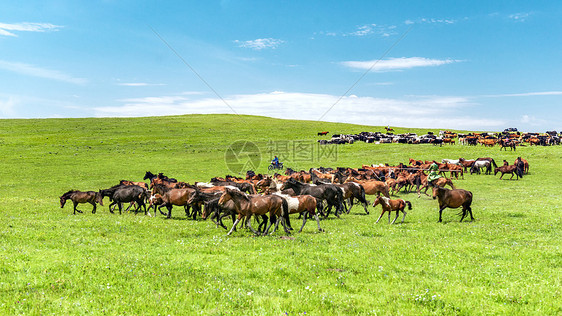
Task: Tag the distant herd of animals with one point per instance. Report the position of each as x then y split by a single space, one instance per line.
506 139
308 193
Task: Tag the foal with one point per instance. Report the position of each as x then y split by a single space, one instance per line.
390 206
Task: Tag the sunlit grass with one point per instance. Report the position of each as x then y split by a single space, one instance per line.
508 261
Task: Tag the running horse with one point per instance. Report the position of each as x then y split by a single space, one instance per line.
253 205
77 197
390 206
453 199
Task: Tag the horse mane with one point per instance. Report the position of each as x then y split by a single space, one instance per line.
239 194
67 194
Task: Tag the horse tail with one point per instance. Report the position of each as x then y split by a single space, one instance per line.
362 195
409 204
285 212
494 163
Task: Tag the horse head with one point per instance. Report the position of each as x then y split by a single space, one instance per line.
62 201
99 198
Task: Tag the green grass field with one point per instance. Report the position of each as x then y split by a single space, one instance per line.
509 261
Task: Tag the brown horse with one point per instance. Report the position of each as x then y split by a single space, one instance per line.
302 204
372 187
77 197
248 205
140 184
177 197
390 206
453 199
440 182
507 169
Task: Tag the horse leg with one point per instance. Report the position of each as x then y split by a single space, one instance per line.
403 218
440 212
112 204
464 212
389 216
120 207
94 209
317 222
397 213
380 217
169 207
234 225
470 212
303 220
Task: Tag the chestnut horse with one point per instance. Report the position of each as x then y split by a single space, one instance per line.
453 199
248 205
508 169
76 197
390 206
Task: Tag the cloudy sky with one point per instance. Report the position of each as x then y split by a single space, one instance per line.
482 65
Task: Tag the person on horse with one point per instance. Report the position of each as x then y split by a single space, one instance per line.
275 161
433 173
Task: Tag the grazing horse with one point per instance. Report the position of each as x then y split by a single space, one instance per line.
323 133
91 197
390 206
453 199
478 165
511 169
248 205
302 204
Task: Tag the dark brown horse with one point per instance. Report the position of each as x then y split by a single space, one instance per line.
390 206
77 197
253 205
525 164
453 199
511 169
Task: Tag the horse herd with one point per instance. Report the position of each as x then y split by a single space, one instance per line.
318 191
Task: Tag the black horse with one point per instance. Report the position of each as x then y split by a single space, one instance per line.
328 192
126 193
151 176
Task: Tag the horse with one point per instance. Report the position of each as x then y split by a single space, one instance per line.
248 205
477 165
511 169
353 190
140 184
466 163
390 206
77 197
178 197
302 204
372 187
323 133
329 192
212 207
440 182
525 164
507 143
491 160
126 193
453 199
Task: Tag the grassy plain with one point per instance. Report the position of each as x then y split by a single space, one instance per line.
508 261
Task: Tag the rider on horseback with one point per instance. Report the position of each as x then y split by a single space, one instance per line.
433 173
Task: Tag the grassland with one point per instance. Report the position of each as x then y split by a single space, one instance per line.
508 261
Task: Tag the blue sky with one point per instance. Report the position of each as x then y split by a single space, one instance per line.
483 65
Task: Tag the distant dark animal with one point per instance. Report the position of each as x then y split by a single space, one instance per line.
390 206
453 199
323 133
77 197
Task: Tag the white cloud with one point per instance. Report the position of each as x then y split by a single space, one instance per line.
139 84
7 29
7 107
260 43
519 17
394 64
34 71
526 94
429 21
424 111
